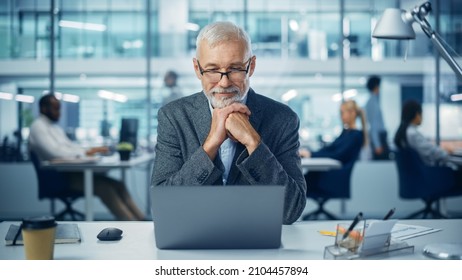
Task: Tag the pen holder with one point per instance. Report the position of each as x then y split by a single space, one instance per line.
366 240
352 241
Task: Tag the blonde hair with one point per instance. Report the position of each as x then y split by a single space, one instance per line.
352 105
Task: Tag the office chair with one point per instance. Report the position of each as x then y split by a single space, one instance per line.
420 181
55 185
322 186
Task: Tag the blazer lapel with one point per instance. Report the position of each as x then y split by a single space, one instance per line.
201 117
255 109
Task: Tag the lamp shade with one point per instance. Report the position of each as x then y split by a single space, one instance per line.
393 25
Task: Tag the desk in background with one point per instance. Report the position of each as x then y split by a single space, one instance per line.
320 164
300 241
104 165
456 159
457 152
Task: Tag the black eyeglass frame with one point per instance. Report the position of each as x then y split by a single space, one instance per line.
248 62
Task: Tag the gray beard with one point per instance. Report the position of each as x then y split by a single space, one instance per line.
222 103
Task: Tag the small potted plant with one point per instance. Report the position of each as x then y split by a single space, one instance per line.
124 149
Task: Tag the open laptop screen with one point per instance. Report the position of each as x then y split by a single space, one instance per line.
217 217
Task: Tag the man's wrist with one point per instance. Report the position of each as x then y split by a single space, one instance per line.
210 149
253 145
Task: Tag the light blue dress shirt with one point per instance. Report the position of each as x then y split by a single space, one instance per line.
226 152
375 119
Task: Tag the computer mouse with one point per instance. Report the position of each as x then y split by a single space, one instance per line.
110 234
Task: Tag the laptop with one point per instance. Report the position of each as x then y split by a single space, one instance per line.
217 217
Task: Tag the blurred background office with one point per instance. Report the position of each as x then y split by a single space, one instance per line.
107 59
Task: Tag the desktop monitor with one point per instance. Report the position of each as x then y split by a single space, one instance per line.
129 131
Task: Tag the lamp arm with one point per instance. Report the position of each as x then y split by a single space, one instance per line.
439 44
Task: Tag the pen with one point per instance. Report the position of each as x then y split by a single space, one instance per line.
389 214
353 224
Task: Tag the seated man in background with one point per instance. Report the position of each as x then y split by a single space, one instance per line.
48 141
227 134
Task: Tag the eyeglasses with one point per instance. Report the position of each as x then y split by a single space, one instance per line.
234 74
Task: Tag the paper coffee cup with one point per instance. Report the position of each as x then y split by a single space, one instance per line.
39 237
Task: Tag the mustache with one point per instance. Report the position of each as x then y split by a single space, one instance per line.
232 89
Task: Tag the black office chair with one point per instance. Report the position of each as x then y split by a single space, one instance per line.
322 186
420 181
55 185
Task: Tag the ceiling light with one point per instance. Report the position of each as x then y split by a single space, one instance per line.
82 25
24 98
6 95
289 95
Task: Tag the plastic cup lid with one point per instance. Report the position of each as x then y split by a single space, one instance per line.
39 222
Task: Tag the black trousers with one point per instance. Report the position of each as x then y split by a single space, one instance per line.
385 155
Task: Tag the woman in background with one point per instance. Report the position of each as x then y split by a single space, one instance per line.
348 144
323 185
407 135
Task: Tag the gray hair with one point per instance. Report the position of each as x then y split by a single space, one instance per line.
222 31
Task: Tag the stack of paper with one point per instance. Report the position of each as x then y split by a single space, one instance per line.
403 231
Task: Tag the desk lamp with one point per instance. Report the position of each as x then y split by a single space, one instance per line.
397 24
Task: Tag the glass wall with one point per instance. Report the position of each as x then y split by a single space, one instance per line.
450 28
101 51
84 29
116 28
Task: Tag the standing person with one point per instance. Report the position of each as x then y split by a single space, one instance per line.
378 133
171 83
49 141
227 134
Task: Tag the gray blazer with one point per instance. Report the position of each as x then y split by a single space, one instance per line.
183 126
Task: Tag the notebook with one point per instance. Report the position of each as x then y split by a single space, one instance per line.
217 217
65 233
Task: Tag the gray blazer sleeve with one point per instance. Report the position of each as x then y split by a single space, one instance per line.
172 166
280 166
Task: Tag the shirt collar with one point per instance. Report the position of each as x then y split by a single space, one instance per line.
46 119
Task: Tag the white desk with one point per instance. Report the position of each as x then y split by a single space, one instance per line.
300 241
320 164
456 159
100 166
457 152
